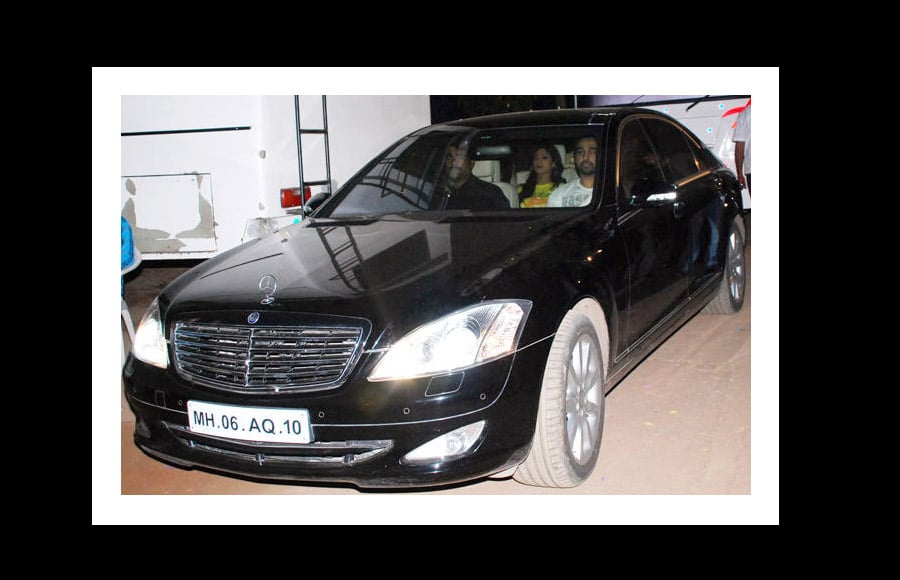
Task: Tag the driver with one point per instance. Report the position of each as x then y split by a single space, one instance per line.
463 190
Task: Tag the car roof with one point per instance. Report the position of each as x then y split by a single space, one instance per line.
586 116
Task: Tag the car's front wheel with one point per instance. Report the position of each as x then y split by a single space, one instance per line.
729 298
570 414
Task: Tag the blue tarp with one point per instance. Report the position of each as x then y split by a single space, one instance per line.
127 244
127 249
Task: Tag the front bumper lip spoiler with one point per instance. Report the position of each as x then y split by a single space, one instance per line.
325 452
365 464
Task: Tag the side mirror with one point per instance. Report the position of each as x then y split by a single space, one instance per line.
313 203
651 192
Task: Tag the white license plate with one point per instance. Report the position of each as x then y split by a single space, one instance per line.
273 425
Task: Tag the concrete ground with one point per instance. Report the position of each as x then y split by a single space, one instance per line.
677 428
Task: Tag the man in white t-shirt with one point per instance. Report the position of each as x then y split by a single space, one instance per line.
578 193
742 147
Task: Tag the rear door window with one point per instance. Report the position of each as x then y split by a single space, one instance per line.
676 158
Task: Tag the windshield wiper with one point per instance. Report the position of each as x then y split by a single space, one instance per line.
471 217
695 103
326 222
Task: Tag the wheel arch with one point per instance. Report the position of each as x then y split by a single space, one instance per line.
734 208
591 307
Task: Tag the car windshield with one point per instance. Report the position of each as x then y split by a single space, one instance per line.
450 167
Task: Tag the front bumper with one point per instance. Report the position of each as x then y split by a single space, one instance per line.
361 431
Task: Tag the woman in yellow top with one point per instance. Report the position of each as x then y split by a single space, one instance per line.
544 177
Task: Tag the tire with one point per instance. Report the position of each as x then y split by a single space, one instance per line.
729 298
569 424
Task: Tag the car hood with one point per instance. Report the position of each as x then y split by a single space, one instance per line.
377 267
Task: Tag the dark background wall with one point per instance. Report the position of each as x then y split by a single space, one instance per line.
452 107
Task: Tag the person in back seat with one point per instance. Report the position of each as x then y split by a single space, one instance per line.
544 177
463 190
578 193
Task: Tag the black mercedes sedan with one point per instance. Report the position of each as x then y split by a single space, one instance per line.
457 310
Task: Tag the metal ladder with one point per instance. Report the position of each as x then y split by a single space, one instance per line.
340 241
324 132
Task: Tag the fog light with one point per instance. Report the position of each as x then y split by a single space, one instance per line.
448 446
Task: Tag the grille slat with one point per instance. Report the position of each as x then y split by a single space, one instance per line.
303 348
266 358
202 368
214 354
291 355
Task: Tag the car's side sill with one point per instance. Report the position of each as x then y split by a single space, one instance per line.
666 320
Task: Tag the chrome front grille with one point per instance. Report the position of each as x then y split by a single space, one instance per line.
265 359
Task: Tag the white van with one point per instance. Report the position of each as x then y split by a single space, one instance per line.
201 174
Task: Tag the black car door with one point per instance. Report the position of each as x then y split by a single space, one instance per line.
655 231
698 198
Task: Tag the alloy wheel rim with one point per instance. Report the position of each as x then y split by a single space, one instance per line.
584 399
735 268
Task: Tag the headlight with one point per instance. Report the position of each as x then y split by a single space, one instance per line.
466 338
149 344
